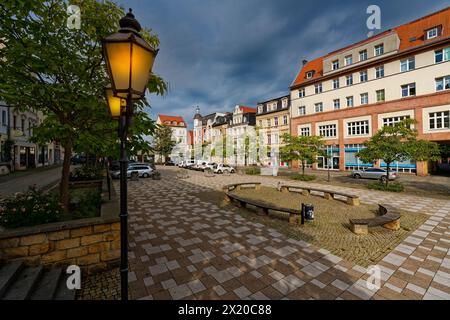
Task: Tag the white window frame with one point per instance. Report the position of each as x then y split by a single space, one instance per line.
379 72
301 93
348 99
328 131
358 128
408 64
318 107
347 59
378 52
366 98
318 89
409 86
384 95
349 80
301 110
432 33
442 116
337 104
336 84
335 65
391 121
305 132
365 75
363 55
445 83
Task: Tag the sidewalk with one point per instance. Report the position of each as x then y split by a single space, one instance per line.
20 181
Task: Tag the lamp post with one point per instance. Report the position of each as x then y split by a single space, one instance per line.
129 60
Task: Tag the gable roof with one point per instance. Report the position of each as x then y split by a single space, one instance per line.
414 29
247 109
178 119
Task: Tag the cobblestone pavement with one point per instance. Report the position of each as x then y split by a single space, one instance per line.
101 286
185 247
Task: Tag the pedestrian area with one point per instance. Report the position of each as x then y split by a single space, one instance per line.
185 246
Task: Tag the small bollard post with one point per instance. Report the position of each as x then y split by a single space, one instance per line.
302 214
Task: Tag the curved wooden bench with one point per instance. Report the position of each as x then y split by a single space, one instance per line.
294 215
352 199
239 186
389 218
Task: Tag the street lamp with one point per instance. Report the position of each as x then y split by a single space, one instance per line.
115 105
129 60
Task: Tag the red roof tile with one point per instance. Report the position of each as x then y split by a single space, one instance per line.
178 119
415 29
247 109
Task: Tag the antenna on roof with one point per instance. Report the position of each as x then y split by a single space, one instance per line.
197 110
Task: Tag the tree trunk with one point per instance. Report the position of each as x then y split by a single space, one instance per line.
64 185
303 167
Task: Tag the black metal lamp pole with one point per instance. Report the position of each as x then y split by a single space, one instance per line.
125 119
123 51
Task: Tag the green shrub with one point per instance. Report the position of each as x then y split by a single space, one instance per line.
31 208
87 173
305 177
391 187
253 171
84 203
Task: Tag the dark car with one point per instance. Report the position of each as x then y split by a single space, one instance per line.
169 163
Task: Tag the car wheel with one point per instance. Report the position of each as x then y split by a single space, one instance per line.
383 179
145 175
219 171
357 176
232 171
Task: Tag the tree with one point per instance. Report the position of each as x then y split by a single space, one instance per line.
398 143
48 67
305 149
163 143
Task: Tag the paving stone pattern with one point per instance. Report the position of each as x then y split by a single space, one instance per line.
183 247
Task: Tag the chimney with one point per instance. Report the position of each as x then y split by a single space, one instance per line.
304 62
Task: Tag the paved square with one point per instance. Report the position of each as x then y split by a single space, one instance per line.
186 247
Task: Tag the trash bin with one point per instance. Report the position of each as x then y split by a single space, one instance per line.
308 211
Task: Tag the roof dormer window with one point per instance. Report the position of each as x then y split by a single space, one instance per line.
335 65
309 74
432 33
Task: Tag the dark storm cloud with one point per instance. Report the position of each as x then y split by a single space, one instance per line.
217 54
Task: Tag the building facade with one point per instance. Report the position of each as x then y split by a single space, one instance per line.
272 122
179 135
242 120
349 94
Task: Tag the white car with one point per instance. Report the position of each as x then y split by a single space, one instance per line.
144 171
223 168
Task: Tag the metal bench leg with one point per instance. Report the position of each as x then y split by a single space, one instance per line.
227 198
284 190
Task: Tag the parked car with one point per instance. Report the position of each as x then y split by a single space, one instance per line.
209 165
223 168
187 163
144 171
169 163
374 173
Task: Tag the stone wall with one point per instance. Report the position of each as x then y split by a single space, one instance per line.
91 243
92 247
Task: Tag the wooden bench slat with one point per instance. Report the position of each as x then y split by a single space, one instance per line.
263 205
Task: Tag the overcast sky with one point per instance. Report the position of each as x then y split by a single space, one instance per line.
220 53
